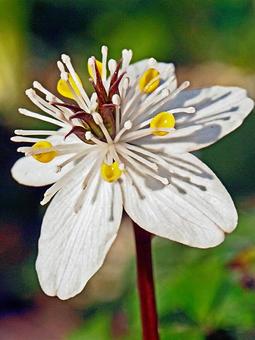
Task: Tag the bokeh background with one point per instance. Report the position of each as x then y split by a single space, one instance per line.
202 294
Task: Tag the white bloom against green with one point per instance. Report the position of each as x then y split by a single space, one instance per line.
125 146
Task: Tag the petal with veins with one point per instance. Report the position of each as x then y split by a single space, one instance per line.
73 245
28 171
194 209
219 110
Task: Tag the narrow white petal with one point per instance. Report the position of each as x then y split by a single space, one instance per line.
219 110
72 246
194 209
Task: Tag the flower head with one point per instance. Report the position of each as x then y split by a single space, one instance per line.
125 145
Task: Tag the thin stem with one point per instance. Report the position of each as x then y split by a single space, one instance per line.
146 284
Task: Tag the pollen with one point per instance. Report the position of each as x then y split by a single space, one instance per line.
63 87
164 120
149 81
111 173
99 67
43 157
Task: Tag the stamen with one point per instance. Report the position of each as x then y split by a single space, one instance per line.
44 105
140 159
19 139
116 102
115 156
182 87
67 61
49 96
131 136
104 51
132 102
126 58
68 88
190 109
92 68
29 151
35 132
112 65
90 136
127 126
41 117
160 160
99 121
93 101
123 87
153 102
144 170
159 89
164 97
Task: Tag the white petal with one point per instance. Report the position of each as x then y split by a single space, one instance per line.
219 110
194 209
28 171
72 246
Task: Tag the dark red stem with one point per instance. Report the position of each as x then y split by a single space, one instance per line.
145 284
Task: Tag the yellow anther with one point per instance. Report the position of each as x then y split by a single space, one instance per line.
64 88
99 66
44 157
149 81
164 120
111 173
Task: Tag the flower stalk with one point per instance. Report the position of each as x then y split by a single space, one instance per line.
145 284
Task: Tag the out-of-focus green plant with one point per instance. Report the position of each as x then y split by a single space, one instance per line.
13 15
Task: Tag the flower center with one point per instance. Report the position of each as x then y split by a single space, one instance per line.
43 155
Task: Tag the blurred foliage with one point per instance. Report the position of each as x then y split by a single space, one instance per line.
200 296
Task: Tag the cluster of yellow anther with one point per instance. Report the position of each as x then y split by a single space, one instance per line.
164 120
111 173
44 157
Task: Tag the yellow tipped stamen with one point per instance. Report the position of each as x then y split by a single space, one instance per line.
64 89
111 173
44 157
164 120
149 81
99 66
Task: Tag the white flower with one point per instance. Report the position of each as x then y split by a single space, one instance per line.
127 145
